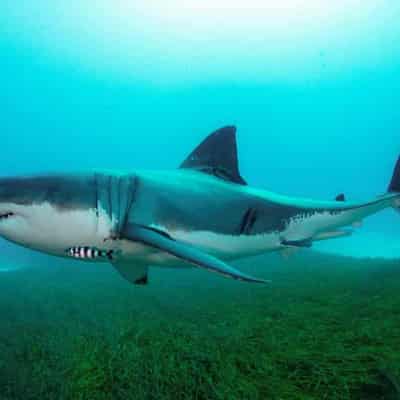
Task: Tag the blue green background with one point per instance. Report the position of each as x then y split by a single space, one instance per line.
313 88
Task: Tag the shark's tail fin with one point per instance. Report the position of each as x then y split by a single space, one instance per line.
394 186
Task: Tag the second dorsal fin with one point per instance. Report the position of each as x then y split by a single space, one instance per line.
340 197
217 155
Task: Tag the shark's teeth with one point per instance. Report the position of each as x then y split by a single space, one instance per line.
6 215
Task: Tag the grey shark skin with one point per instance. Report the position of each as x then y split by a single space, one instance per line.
202 214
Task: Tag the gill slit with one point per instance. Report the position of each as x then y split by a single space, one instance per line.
97 205
119 207
133 188
109 193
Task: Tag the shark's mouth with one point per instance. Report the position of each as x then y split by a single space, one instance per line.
6 215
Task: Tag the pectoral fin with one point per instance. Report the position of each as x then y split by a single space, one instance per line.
185 252
134 273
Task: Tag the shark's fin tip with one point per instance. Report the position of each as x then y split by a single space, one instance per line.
217 156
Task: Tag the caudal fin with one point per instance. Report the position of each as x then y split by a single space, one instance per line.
394 186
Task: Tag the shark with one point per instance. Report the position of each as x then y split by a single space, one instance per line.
202 214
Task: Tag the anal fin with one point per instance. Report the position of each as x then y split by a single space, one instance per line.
333 234
297 243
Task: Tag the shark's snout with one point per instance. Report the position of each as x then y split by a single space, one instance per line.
47 213
8 202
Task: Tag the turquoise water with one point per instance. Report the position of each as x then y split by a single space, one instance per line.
312 87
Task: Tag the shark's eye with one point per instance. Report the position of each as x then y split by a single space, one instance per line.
6 215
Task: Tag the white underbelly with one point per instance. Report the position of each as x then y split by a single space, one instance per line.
87 228
229 247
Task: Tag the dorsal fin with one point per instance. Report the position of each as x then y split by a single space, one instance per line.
217 155
340 197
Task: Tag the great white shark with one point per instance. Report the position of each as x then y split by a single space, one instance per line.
200 215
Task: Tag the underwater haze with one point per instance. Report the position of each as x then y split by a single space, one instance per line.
313 88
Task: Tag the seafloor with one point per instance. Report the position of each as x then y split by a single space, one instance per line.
328 327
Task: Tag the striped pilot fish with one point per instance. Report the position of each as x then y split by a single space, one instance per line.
88 253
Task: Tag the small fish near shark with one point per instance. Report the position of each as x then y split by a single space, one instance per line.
201 215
